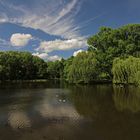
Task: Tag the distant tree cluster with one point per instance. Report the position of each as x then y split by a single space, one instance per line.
21 66
55 69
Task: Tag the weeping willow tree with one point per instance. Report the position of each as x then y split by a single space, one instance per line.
126 71
83 68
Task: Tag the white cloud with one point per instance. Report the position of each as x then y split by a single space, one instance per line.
49 46
54 58
68 8
56 18
41 55
20 40
45 56
77 52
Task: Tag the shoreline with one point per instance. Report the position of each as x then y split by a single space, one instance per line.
95 82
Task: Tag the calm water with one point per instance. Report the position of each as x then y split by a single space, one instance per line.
39 111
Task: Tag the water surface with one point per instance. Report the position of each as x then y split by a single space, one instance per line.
52 111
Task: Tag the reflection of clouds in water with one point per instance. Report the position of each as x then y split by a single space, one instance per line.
19 119
52 105
48 110
48 107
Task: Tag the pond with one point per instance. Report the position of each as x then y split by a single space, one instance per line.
54 111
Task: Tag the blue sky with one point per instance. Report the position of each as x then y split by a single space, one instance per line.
52 29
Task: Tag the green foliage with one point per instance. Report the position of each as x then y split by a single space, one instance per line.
55 69
95 64
126 71
67 65
21 66
82 68
111 43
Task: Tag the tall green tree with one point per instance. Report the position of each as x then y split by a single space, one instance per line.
111 43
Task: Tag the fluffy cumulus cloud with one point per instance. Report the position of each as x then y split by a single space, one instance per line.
77 52
45 56
20 40
49 46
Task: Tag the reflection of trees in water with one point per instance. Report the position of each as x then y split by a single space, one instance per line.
109 123
127 98
92 101
99 101
44 114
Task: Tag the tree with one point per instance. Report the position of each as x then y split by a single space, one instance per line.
126 71
111 43
21 66
55 69
82 68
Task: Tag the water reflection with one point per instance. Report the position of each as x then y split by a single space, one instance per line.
98 112
19 119
127 98
92 101
15 106
108 120
56 104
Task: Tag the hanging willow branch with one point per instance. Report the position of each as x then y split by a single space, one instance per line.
126 71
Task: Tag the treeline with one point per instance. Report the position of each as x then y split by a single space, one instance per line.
103 60
21 66
113 55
